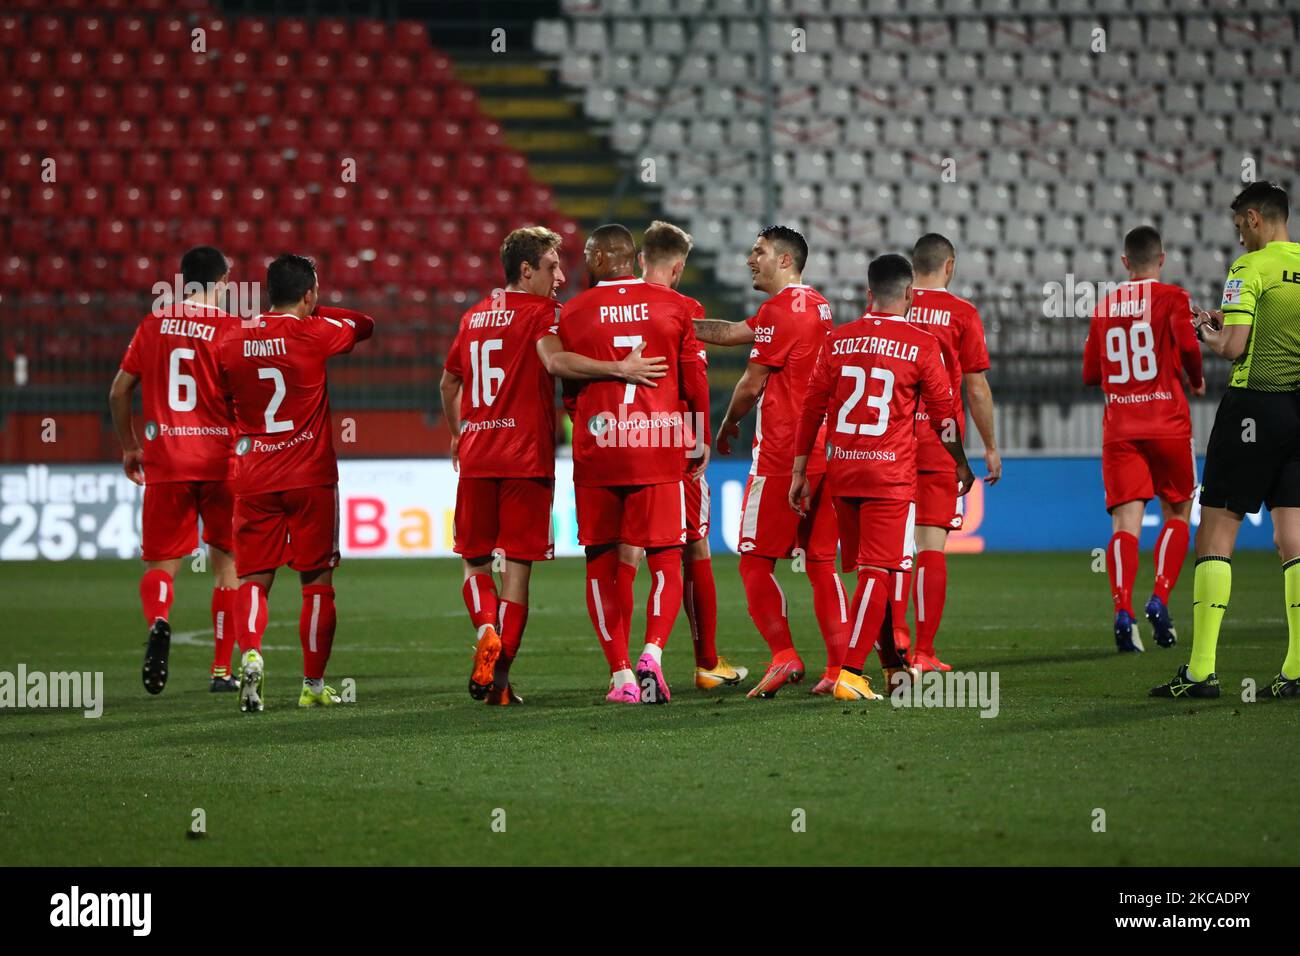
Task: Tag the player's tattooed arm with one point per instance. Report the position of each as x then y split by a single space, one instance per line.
119 403
636 369
722 332
450 388
743 400
980 398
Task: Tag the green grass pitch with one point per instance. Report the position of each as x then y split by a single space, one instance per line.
414 771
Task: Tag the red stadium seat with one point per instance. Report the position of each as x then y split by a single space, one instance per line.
410 36
333 35
89 201
154 236
47 33
434 68
377 200
405 133
443 234
269 168
239 65
220 33
140 100
255 202
311 166
419 200
205 133
316 66
228 168
295 202
198 232
219 99
510 169
284 132
276 66
343 101
172 201
115 66
458 201
172 33
131 33
420 102
383 101
499 201
89 32
389 268
367 130
56 99
360 235
27 235
483 133
301 99
196 68
259 99
53 272
444 136
483 235
337 200
141 271
98 273
180 99
238 236
397 69
32 65
244 132
12 35
98 99
131 202
320 234
459 102
40 131
347 272
113 235
356 67
147 166
279 235
16 99
162 132
471 169
75 233
371 36
22 166
292 34
122 133
212 201
72 65
154 66
251 33
394 167
404 235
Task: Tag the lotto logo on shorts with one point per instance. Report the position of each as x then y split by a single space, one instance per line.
150 431
243 445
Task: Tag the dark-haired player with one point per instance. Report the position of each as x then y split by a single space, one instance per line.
787 333
499 398
1140 345
628 443
1253 456
185 461
286 483
872 375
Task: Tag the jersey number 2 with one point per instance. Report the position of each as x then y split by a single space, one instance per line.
879 402
272 426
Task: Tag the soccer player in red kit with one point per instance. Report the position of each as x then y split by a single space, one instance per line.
286 478
787 333
872 375
185 461
628 443
664 249
956 324
499 398
1140 345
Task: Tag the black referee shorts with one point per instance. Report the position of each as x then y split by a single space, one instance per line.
1253 456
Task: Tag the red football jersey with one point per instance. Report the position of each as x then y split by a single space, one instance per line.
1140 341
626 434
789 329
507 402
956 323
273 366
188 433
697 312
870 379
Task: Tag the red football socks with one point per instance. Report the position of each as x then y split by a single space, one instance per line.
831 605
1122 566
603 607
665 567
1171 550
250 616
223 629
869 603
156 595
701 603
931 591
480 594
625 592
898 600
316 629
767 607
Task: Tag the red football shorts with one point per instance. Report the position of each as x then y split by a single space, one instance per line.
875 532
770 528
171 513
299 528
937 503
1162 468
698 502
509 514
645 516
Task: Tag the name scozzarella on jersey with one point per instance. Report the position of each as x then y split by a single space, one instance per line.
873 345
